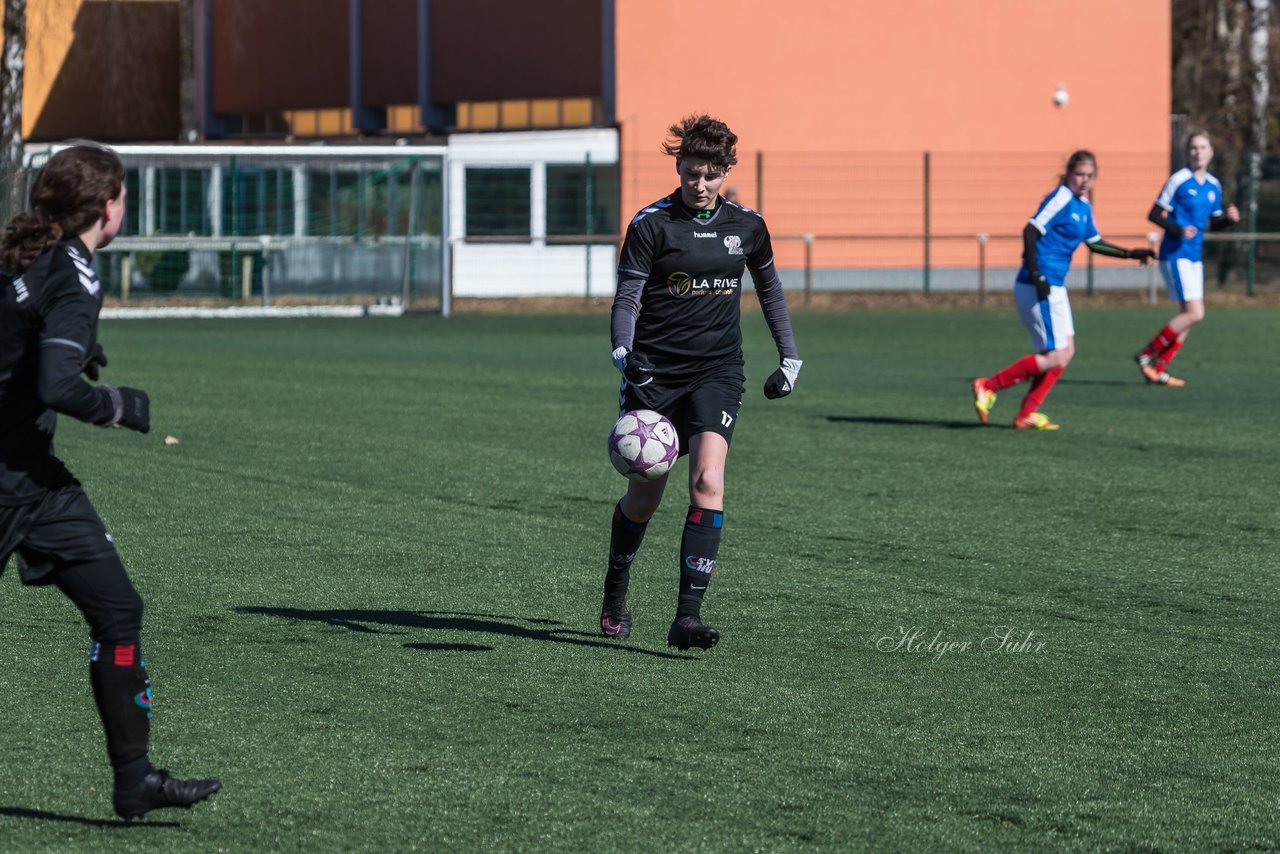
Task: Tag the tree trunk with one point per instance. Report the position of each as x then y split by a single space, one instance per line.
12 187
187 105
1259 44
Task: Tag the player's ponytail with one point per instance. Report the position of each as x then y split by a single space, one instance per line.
69 195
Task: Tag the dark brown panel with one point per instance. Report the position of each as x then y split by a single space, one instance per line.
119 81
280 55
390 52
484 50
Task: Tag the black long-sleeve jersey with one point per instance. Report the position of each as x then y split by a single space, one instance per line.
48 328
680 286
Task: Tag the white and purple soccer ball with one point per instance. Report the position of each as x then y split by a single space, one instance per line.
643 445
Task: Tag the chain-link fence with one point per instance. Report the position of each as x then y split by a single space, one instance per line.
261 225
953 220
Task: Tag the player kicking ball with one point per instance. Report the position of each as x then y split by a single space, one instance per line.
49 303
677 339
1063 221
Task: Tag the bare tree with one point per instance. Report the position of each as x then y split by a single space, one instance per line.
1221 69
1259 54
15 44
187 101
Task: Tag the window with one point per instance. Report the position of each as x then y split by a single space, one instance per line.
569 186
498 202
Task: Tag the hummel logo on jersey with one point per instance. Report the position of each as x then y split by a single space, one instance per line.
734 244
1191 192
705 234
20 287
88 279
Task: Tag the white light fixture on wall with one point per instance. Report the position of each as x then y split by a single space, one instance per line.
1060 96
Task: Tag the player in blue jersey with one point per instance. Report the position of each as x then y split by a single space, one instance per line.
1063 221
1190 202
676 331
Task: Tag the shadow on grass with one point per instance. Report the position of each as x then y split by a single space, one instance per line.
42 815
529 628
1120 383
894 421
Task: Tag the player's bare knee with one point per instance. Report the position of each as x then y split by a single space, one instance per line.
706 487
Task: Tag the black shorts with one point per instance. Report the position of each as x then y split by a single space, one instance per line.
706 403
60 529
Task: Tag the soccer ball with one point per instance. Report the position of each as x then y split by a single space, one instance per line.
643 445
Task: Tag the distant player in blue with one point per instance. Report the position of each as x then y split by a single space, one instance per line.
1190 202
1063 221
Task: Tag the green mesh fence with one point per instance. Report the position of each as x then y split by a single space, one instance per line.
272 228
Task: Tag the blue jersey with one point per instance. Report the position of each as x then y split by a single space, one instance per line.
1064 221
1188 202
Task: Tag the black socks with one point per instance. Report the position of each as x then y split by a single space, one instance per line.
122 693
699 546
624 542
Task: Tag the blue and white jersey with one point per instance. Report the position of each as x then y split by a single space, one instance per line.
1187 201
1064 221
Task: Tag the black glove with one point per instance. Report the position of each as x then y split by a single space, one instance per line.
782 381
1142 256
133 408
638 369
97 359
1041 283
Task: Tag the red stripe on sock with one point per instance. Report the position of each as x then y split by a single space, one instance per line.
125 655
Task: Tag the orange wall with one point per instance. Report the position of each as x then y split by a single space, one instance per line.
108 71
807 81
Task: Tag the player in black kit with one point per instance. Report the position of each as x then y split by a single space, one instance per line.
49 304
677 339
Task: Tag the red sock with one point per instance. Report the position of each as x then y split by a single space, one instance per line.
1023 369
1039 391
1163 360
1164 338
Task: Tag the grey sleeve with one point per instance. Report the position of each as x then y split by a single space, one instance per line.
626 306
773 302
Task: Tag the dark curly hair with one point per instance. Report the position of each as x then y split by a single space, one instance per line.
69 195
704 138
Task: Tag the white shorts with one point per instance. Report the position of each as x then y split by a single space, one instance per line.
1183 279
1048 320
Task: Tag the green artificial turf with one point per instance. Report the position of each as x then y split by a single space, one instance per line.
372 568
